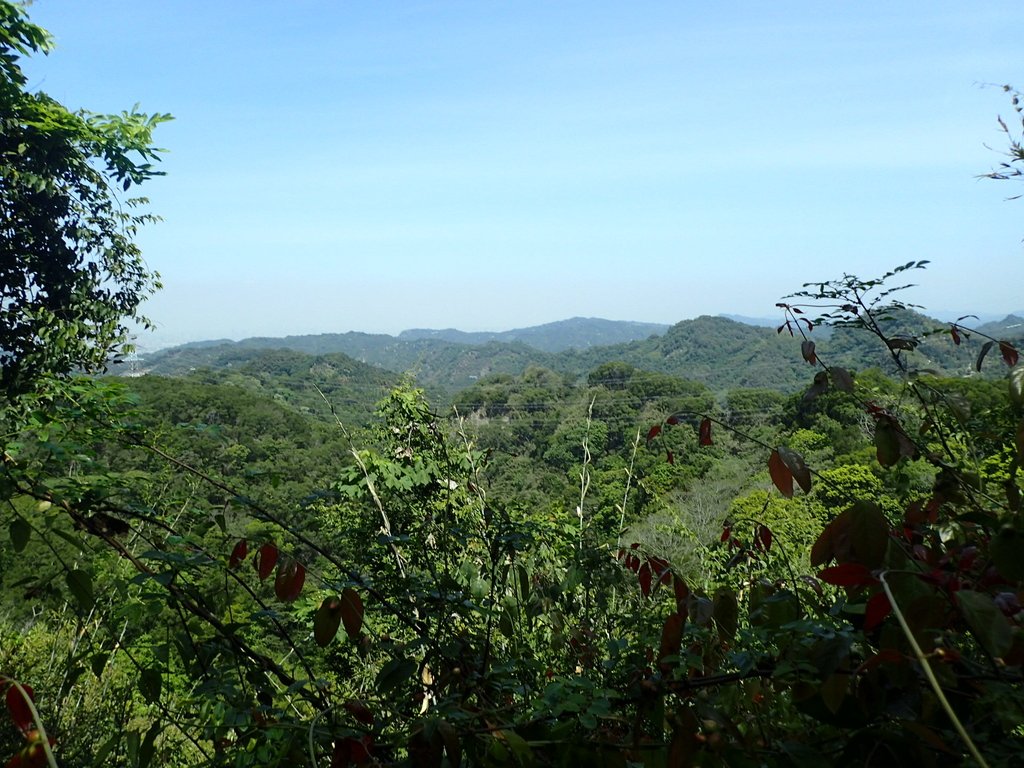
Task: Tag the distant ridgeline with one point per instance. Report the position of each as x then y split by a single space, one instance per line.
718 352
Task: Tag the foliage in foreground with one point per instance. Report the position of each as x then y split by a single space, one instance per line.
410 617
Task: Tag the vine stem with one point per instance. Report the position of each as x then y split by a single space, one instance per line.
928 673
44 740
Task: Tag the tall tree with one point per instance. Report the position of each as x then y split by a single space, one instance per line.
71 275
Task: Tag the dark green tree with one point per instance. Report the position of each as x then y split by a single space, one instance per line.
71 276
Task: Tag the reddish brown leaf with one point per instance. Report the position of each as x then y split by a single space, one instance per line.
645 577
955 335
351 612
291 575
670 457
807 351
671 636
705 431
238 554
847 575
661 568
18 708
265 560
682 594
726 533
781 475
1009 353
763 537
673 419
653 432
877 609
326 621
359 711
795 463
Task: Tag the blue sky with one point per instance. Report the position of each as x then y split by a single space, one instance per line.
376 166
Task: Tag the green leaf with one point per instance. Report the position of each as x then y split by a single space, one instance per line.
986 621
148 747
20 531
1005 550
80 584
394 673
725 612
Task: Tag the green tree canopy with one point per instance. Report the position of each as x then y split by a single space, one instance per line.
70 272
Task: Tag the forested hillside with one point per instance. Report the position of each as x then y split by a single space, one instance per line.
723 546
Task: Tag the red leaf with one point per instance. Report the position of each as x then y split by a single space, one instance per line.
265 560
726 533
670 457
291 575
1009 353
645 576
238 554
18 707
955 335
807 351
877 609
351 612
847 575
359 711
653 432
673 419
705 431
763 537
661 568
781 476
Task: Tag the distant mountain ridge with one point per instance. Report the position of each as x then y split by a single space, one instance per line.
574 333
716 351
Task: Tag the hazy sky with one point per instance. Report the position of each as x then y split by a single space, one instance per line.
380 165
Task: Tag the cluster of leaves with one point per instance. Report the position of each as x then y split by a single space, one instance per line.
70 273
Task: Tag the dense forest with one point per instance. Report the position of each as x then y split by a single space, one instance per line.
719 545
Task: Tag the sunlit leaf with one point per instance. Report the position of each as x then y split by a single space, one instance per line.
781 475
